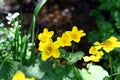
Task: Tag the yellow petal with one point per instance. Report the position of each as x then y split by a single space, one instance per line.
93 50
56 53
19 76
65 40
29 79
46 35
108 49
45 56
97 43
81 32
45 30
41 46
74 29
112 38
57 43
117 44
86 58
95 58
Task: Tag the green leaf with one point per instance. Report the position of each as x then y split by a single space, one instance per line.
117 77
8 69
73 58
107 78
32 26
63 53
37 9
93 72
65 72
33 71
38 69
105 26
25 53
118 69
46 66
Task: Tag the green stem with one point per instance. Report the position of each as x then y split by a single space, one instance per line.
77 73
16 43
32 34
32 27
110 63
75 69
73 47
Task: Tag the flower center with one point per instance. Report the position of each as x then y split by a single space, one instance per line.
106 44
74 36
49 49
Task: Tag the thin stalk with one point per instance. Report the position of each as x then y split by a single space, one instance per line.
110 63
32 26
75 69
16 44
73 47
77 73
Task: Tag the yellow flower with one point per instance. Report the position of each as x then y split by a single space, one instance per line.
109 44
93 50
64 40
49 49
93 58
46 35
20 76
96 55
76 34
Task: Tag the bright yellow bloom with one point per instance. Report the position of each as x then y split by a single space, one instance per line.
46 35
64 40
93 58
76 34
93 50
109 44
49 49
96 55
20 76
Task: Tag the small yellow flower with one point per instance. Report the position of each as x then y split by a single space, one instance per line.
93 58
109 44
96 55
20 76
64 40
76 34
49 49
86 58
46 35
93 50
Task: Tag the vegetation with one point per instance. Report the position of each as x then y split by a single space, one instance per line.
53 61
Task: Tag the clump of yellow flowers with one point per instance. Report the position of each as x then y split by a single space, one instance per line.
50 48
20 76
109 44
96 50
